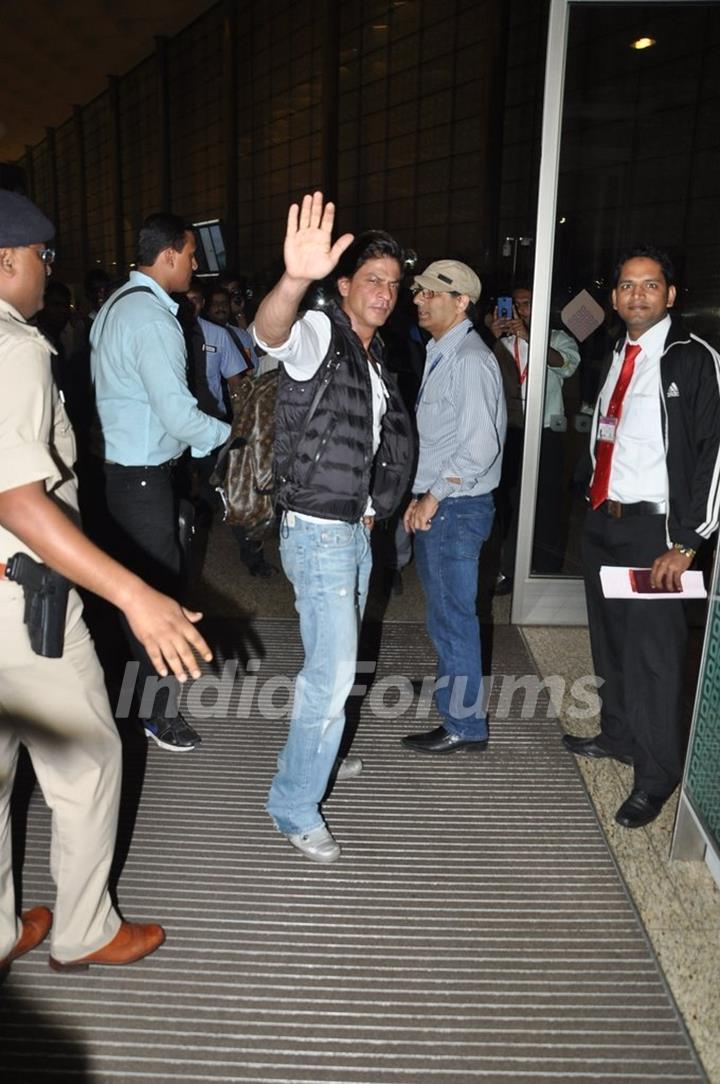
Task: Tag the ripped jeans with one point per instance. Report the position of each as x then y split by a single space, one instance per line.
329 567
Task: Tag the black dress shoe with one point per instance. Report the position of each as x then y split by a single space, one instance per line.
441 740
639 809
590 747
503 585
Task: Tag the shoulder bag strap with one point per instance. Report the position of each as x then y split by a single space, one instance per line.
126 293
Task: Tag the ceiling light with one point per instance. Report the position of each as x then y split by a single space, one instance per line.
642 43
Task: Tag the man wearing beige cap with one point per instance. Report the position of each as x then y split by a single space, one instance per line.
52 697
461 428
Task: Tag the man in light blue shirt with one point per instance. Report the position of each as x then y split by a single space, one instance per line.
148 419
213 356
237 325
139 368
224 362
461 420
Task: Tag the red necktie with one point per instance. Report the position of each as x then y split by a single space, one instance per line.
604 448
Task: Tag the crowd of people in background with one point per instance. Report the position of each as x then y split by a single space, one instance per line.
215 314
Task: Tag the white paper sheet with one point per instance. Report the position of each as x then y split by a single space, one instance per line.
616 584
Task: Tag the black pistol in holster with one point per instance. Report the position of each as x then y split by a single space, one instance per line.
46 597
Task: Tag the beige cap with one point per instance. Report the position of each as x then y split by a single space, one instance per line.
450 277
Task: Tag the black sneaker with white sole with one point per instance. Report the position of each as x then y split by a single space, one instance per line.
173 734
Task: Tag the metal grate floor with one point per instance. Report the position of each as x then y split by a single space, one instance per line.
475 928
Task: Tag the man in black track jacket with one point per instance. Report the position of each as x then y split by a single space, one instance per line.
654 499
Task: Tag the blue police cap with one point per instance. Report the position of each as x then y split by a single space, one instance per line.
21 222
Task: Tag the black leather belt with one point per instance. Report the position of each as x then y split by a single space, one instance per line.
618 510
168 465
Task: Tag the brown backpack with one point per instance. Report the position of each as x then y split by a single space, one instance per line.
243 474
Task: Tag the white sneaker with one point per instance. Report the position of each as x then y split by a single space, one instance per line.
317 844
350 768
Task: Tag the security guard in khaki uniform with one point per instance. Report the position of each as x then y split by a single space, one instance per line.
58 707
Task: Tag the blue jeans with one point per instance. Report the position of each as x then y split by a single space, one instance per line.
329 567
446 557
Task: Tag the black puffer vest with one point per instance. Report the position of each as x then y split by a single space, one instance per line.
329 470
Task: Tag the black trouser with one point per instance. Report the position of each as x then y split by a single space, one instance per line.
251 553
550 513
638 648
142 508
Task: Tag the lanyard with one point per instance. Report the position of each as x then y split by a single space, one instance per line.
429 373
522 373
431 370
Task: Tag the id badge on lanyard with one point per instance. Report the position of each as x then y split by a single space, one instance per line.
522 373
607 428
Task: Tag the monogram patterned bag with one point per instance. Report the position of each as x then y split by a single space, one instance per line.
243 474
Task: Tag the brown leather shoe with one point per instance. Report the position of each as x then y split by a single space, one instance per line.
130 943
36 925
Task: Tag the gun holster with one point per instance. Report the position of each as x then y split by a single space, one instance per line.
46 597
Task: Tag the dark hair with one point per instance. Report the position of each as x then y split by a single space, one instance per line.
369 245
646 252
228 275
158 232
210 291
95 279
521 284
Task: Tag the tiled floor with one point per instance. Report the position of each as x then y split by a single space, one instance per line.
678 901
475 930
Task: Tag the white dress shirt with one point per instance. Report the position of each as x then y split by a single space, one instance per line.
555 375
638 471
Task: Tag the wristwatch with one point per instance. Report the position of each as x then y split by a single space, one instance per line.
686 551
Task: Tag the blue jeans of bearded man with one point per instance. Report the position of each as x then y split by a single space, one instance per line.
329 567
446 557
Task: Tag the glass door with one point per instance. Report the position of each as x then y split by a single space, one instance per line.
630 153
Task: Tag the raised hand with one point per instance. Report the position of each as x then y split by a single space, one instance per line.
309 252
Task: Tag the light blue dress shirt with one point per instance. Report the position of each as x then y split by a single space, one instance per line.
138 362
222 359
461 417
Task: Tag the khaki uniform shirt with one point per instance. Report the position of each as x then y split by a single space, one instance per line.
37 443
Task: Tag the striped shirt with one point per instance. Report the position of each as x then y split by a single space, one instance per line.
461 417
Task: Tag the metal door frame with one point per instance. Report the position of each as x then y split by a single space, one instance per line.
541 600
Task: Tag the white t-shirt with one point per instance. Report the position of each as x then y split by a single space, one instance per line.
567 347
